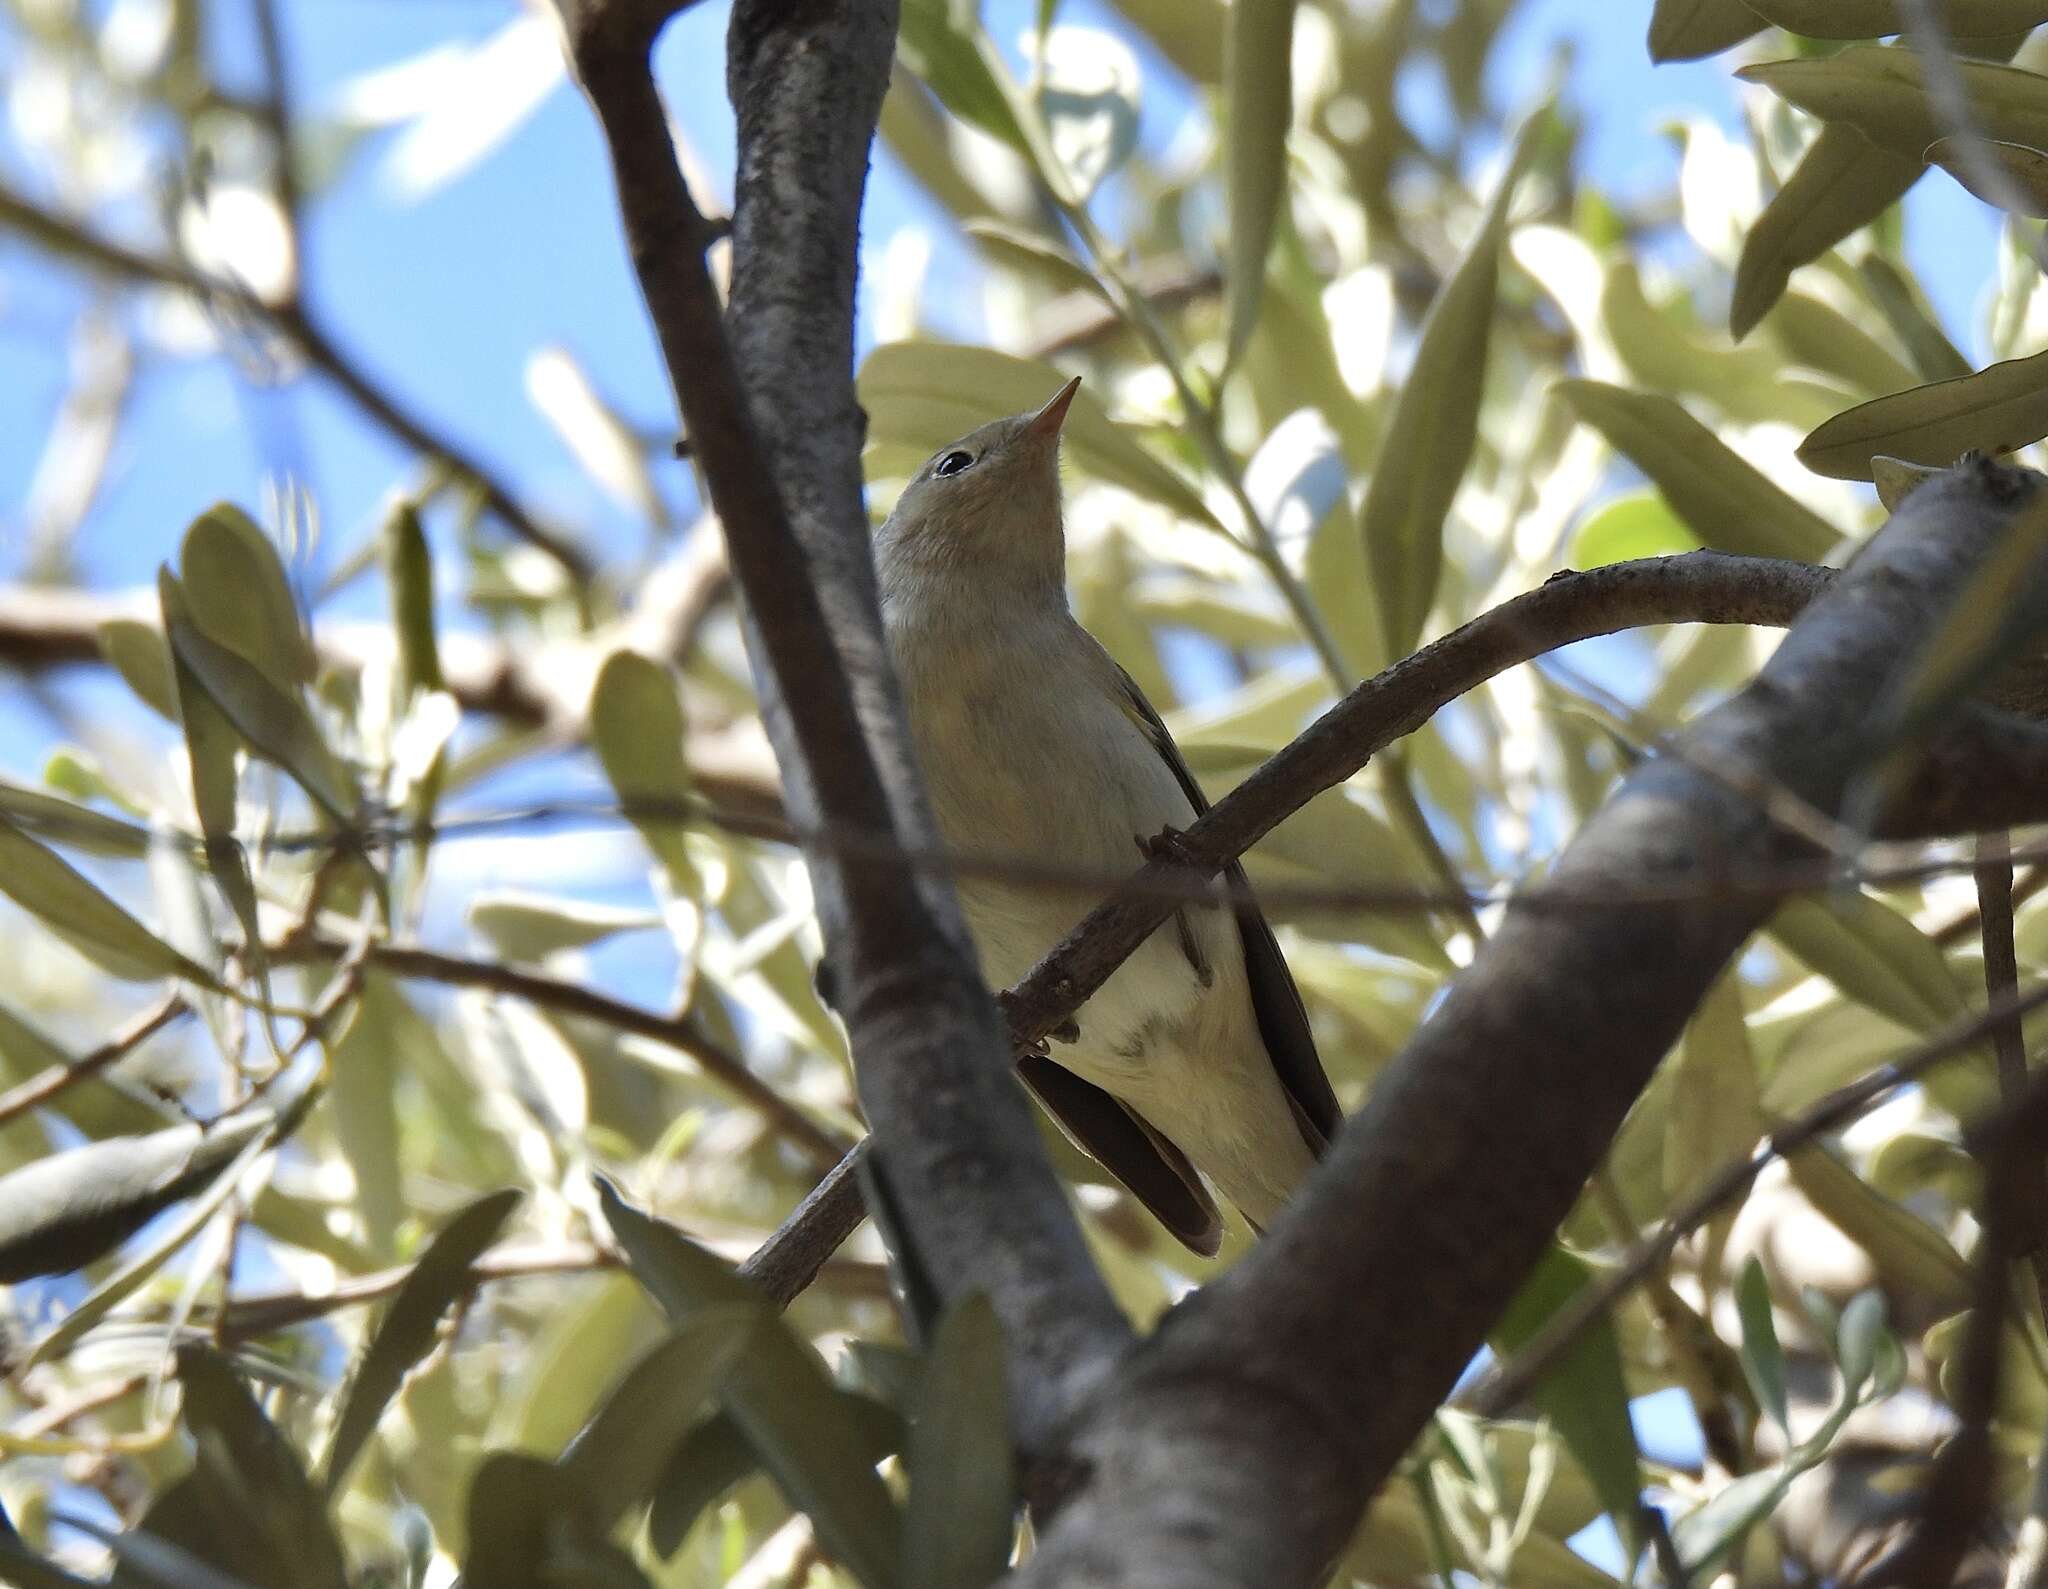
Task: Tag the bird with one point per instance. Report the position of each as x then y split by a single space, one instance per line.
1195 1058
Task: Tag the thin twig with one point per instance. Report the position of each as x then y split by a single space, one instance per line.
292 319
679 1032
40 1088
2008 1038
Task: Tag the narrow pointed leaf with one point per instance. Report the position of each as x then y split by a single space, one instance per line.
1729 504
779 1395
1584 1395
240 596
274 722
46 886
137 652
1870 19
244 1455
1258 89
1686 30
1840 185
1763 1360
636 726
1881 92
59 1213
1996 410
963 1484
2022 172
1908 1252
409 566
614 1463
406 1334
1429 442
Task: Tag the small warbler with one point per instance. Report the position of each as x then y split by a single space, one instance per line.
1196 1054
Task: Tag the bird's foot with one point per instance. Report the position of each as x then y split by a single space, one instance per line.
1068 1031
1168 844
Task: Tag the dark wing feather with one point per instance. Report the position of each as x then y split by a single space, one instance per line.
1151 1168
1283 1022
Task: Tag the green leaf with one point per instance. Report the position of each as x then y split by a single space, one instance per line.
1903 307
1258 89
513 1501
1716 1115
1729 504
137 652
1896 480
365 1059
535 926
61 1212
780 1397
1763 1360
1641 525
1840 185
240 597
1874 955
963 1485
406 1334
1749 384
47 887
1908 1251
252 1468
1882 93
1584 1394
1856 1343
636 727
1708 1533
921 395
2022 172
275 723
614 1463
66 822
409 567
1821 337
954 62
1686 30
1996 410
1435 425
124 1282
1870 19
710 1460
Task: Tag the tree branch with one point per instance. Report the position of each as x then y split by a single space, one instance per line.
1282 1395
772 420
296 324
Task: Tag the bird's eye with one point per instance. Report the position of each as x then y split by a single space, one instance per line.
952 463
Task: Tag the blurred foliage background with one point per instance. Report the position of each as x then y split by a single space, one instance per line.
406 840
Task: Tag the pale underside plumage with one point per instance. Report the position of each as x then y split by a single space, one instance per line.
1036 746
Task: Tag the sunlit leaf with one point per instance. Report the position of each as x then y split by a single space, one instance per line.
240 596
1996 410
46 886
636 727
1869 19
1641 525
1840 185
61 1212
1882 93
138 653
1259 95
1907 1250
1685 30
1727 502
438 1278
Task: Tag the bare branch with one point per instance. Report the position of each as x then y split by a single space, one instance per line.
40 1088
298 325
780 446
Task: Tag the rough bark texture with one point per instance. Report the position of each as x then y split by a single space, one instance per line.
1370 1295
766 393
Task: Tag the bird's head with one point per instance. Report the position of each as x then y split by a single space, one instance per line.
985 507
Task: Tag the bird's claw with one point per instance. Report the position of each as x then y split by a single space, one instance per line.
1168 844
1068 1031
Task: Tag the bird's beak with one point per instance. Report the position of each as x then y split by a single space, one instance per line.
1045 424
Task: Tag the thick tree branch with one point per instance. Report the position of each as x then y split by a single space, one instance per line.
1371 1293
772 420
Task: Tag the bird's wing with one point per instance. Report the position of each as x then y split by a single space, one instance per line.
1283 1022
1151 1168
